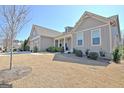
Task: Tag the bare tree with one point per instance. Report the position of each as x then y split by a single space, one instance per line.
14 18
5 36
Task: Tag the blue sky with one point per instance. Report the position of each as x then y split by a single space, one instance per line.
57 17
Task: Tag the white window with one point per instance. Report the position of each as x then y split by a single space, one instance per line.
96 37
80 39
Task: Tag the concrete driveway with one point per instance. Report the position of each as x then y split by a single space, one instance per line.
71 58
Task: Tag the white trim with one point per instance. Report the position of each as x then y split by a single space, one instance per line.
98 17
64 44
100 37
35 38
82 40
62 37
54 42
110 35
93 28
71 44
58 43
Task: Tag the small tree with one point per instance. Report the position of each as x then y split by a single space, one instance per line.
14 18
25 46
35 49
116 56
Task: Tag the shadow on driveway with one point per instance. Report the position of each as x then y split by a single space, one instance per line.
6 86
71 58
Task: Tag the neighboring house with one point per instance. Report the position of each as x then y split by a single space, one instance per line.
1 45
6 44
92 32
17 44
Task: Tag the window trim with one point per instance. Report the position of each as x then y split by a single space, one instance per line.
82 39
99 29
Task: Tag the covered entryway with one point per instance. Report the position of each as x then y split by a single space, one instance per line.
64 41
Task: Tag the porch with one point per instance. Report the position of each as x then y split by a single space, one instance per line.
65 42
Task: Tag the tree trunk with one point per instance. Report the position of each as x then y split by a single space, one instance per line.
11 54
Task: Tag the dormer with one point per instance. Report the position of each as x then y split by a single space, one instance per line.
68 29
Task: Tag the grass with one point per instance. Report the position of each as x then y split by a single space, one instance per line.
49 73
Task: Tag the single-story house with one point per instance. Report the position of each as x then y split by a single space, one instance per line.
42 37
92 32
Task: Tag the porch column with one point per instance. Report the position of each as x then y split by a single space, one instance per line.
54 42
58 43
71 43
64 44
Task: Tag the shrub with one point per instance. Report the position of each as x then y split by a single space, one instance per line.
49 49
116 56
74 50
27 48
78 53
58 49
54 49
123 56
121 50
62 50
87 52
20 49
102 53
35 49
93 55
14 50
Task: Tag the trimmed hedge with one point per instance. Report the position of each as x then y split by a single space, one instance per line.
78 53
54 49
93 55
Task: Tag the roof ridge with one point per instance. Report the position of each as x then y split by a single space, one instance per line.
112 16
46 28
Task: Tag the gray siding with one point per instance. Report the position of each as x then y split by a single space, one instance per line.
105 41
41 43
89 23
46 42
35 43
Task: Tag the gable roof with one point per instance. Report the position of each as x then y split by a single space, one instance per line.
100 18
43 31
53 33
89 14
